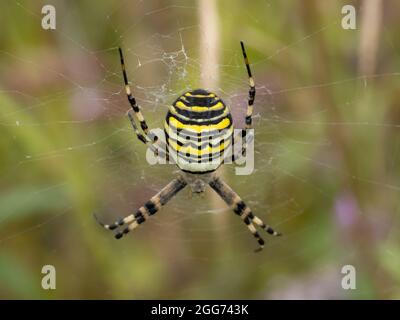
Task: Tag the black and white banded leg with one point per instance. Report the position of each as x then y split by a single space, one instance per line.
146 136
241 209
160 150
249 112
240 151
252 90
148 209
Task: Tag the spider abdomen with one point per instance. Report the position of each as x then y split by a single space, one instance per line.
198 130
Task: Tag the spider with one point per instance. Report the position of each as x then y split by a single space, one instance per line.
198 115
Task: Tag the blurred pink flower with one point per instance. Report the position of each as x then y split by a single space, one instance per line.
346 210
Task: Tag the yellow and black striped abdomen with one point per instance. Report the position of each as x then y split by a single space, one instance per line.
198 130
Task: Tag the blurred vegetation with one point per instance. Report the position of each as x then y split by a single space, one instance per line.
327 150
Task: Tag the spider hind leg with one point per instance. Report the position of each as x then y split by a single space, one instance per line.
242 210
132 221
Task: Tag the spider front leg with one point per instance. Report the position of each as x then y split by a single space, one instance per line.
159 148
132 100
148 209
241 209
249 113
252 89
240 151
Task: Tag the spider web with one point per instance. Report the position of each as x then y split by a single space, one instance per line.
84 157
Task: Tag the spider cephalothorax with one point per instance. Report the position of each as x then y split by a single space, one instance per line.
198 133
197 182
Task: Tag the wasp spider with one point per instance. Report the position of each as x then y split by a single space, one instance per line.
202 117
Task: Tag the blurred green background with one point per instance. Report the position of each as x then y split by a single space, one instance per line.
327 145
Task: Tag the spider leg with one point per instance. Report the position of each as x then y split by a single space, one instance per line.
249 112
252 89
132 101
148 209
162 151
241 209
237 153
